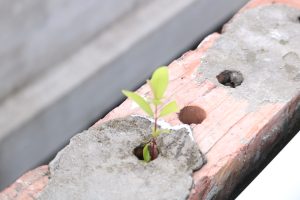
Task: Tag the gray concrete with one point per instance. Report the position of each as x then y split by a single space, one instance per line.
99 164
264 45
40 117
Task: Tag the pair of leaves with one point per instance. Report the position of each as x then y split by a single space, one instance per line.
158 83
145 106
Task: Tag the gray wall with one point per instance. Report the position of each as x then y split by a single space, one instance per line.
35 34
75 57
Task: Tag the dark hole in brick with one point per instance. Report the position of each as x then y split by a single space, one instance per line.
230 78
138 152
298 18
192 115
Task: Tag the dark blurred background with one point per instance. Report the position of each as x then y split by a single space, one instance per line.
63 64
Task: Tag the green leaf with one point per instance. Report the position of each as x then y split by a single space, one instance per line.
146 153
144 105
159 82
159 131
169 108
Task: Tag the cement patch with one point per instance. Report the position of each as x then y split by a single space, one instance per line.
99 164
264 45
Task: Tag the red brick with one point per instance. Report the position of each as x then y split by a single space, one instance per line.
256 3
27 186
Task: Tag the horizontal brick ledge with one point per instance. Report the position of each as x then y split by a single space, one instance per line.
258 130
27 186
256 3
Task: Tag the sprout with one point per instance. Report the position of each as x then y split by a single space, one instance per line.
155 108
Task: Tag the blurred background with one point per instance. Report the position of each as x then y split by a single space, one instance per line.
63 64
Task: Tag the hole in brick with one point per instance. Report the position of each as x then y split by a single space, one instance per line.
230 78
192 115
138 151
298 18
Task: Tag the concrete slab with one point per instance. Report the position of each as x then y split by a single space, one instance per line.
99 164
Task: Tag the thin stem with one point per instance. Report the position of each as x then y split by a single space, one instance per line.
155 118
152 144
153 148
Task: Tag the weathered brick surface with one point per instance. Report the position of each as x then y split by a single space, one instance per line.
27 186
227 164
256 3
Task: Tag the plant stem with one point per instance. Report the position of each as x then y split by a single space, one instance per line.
153 149
155 119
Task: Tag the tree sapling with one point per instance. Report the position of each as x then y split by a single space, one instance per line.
155 108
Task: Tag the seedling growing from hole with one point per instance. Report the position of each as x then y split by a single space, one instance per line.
155 108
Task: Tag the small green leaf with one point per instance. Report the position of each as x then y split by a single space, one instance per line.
144 105
160 131
146 153
159 82
169 108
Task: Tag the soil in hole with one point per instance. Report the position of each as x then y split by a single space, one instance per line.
230 78
138 151
192 115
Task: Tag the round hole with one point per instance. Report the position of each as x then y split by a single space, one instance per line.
230 78
192 115
298 18
138 151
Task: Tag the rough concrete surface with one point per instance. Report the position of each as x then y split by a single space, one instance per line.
99 164
264 45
